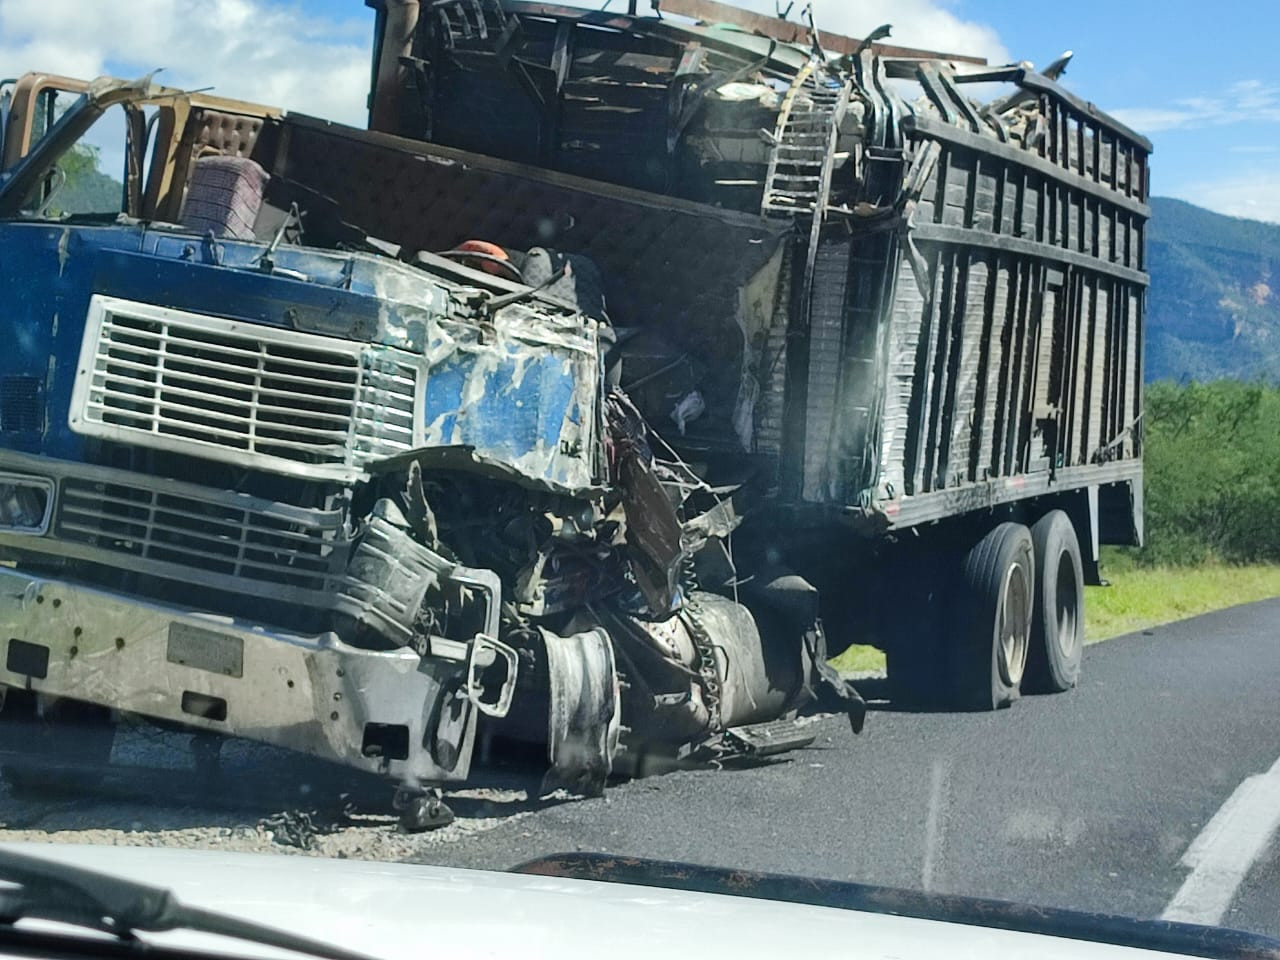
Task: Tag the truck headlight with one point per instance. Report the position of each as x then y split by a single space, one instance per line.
26 503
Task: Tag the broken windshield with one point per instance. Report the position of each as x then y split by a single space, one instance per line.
87 180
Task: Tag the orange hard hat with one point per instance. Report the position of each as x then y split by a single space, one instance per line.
489 250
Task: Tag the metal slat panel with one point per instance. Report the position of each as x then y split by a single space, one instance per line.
826 334
937 382
1011 351
965 387
986 448
905 323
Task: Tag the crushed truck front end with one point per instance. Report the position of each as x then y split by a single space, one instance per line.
162 461
265 475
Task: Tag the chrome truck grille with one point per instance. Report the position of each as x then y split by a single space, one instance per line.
206 531
260 397
174 530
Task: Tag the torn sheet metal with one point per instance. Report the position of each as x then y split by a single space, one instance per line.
100 95
753 686
524 392
520 389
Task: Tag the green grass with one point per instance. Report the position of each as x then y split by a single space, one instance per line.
1137 599
859 658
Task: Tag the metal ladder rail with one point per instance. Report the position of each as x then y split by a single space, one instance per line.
801 145
834 117
798 179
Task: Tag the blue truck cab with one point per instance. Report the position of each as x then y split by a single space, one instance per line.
270 469
206 433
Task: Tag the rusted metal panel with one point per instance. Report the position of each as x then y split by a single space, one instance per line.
24 107
397 23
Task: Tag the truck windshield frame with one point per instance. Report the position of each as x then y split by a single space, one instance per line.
102 94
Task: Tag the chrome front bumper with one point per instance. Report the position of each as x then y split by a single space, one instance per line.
392 713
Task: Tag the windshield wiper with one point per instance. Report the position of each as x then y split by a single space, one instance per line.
49 890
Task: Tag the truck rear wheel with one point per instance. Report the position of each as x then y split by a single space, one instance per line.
1057 627
993 607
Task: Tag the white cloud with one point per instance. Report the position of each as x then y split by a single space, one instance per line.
926 24
1258 96
1153 120
1255 195
271 53
916 23
1250 101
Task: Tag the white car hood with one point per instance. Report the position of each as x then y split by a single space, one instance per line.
404 911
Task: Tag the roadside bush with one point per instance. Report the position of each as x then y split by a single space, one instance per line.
1212 473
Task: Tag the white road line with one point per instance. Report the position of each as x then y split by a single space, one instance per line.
933 823
1220 857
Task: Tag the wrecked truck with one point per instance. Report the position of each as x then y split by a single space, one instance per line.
624 370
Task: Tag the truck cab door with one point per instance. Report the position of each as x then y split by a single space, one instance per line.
29 107
120 138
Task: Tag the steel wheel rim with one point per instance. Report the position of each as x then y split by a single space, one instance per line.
1014 624
1067 600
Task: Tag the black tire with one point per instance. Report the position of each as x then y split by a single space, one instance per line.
1057 627
992 612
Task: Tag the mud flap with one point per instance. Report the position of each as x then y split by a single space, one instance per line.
832 692
585 714
795 601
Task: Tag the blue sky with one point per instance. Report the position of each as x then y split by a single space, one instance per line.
1202 81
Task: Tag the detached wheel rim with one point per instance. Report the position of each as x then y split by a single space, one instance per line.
1067 601
1014 624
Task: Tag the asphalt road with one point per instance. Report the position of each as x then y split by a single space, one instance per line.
1086 800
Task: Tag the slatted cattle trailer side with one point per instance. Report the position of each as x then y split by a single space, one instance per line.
970 371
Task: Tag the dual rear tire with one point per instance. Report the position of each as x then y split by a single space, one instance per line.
1057 624
1013 621
992 618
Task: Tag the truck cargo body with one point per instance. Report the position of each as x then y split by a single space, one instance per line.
973 331
542 411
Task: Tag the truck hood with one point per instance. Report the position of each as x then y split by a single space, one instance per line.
392 911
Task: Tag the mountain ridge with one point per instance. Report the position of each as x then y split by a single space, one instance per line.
1213 310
